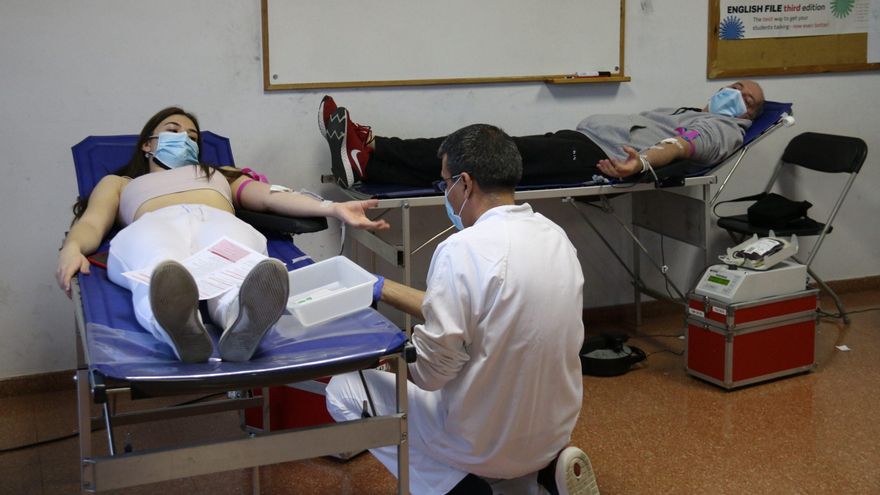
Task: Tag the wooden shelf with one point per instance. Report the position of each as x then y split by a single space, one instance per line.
587 80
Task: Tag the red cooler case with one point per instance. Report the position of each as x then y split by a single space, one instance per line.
292 406
732 345
297 405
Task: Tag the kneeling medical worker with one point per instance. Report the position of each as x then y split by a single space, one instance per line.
498 377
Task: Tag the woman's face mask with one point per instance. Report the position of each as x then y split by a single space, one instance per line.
729 102
455 218
175 149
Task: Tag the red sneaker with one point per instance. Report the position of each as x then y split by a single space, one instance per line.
348 151
325 110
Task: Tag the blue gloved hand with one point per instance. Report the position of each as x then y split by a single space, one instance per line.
377 288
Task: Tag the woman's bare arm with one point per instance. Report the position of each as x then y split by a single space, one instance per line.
87 232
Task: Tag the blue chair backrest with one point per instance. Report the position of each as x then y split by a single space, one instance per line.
96 156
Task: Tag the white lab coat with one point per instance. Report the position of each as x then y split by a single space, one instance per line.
498 372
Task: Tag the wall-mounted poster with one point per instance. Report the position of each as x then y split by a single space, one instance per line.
767 37
745 19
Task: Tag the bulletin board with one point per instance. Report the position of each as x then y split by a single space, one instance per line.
782 55
350 43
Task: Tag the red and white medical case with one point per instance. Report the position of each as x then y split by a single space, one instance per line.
738 344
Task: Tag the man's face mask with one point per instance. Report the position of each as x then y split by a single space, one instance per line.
455 218
176 149
729 102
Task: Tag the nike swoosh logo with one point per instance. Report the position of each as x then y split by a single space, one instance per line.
357 163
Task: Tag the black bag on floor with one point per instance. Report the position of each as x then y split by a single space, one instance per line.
608 355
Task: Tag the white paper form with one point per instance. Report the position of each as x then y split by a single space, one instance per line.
216 269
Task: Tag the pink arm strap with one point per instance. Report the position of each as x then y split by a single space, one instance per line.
253 177
240 189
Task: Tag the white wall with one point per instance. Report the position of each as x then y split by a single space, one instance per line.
69 69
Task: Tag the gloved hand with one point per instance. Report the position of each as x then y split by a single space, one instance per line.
377 288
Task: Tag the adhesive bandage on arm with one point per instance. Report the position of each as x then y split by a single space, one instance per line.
274 188
674 141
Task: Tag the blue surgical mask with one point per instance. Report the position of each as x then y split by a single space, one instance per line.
455 218
176 149
727 101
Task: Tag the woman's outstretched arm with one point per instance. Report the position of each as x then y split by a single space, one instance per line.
257 196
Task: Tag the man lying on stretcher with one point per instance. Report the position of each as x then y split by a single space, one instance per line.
611 146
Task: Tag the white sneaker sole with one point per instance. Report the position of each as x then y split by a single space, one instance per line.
321 127
336 138
574 473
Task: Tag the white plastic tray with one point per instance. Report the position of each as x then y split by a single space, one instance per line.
329 289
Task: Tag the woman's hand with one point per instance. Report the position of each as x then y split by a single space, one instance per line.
70 262
613 167
353 213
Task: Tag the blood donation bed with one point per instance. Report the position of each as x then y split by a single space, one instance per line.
116 357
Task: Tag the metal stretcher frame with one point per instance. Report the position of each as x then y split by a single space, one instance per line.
96 385
126 469
659 206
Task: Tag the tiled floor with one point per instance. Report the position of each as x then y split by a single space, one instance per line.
653 430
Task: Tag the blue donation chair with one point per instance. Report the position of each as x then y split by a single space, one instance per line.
116 356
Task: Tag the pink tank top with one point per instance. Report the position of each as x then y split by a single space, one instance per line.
146 187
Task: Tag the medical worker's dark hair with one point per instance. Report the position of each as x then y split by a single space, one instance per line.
487 153
139 164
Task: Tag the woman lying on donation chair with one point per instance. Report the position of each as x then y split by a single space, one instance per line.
170 207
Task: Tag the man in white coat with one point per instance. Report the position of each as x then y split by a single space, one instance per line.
498 382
